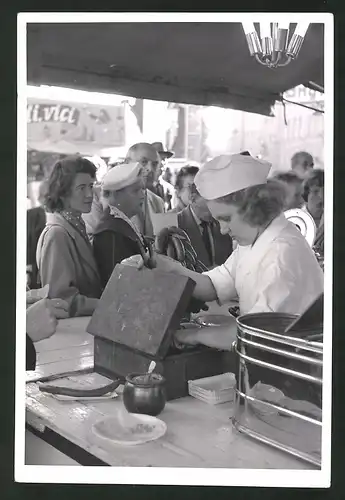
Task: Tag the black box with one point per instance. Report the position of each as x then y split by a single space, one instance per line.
177 367
134 324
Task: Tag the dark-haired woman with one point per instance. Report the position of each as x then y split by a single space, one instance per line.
273 269
64 254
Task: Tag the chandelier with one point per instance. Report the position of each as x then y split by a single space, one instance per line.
273 48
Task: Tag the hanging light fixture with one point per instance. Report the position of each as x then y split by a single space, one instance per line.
273 48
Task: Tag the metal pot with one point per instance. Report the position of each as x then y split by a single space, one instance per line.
289 366
144 393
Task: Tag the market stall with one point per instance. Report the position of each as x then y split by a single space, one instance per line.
209 64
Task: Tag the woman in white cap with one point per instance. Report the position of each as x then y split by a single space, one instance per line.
116 237
272 269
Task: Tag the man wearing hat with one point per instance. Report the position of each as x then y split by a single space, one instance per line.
163 188
116 237
273 269
147 156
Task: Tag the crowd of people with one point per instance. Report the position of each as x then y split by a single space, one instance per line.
230 208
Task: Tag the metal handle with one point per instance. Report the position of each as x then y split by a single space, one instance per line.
288 354
280 369
293 342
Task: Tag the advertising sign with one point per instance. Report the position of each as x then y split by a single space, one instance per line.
67 127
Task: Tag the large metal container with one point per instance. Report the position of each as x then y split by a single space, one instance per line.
279 385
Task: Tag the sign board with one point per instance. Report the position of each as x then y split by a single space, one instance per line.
304 95
67 127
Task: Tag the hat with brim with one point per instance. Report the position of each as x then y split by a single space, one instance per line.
121 176
227 174
161 151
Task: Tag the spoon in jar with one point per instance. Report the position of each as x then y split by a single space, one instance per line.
152 366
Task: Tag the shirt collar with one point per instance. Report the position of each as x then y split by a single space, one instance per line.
118 214
271 232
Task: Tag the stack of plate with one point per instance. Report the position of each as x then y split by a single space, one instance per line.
213 390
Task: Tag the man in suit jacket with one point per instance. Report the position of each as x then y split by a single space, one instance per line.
147 156
212 247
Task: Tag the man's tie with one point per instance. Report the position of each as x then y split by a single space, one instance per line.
159 191
206 228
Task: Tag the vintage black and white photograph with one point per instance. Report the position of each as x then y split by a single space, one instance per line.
174 248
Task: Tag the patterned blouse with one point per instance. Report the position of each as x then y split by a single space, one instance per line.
75 219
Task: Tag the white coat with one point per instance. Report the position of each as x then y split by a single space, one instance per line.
279 273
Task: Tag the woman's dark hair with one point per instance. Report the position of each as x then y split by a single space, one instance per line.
303 158
61 178
259 204
314 178
185 172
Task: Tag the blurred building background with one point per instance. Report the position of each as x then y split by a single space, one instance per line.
64 121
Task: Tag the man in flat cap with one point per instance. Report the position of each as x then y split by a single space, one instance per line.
272 269
116 237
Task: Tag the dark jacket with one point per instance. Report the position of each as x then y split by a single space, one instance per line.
36 221
113 240
222 243
30 354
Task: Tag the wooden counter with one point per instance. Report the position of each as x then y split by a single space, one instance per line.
198 435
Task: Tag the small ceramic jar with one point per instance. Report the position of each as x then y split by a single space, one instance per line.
144 393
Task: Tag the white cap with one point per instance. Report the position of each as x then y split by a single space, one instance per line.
227 174
121 176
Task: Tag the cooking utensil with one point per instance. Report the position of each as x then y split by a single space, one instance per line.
214 320
309 323
70 391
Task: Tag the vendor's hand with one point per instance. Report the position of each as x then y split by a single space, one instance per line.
189 337
41 318
218 337
134 261
163 263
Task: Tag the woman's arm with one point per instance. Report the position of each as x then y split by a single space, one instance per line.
217 337
204 289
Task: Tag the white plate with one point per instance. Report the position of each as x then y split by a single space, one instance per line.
304 222
130 430
61 397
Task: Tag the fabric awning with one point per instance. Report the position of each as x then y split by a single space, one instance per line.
194 63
